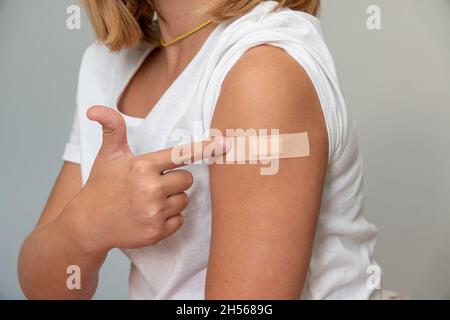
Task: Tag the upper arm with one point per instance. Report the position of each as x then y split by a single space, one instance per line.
263 226
67 186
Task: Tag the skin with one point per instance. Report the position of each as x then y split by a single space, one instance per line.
176 16
135 207
263 226
66 233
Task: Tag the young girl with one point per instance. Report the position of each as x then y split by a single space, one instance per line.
219 231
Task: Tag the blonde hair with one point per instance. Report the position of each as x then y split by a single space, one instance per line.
125 23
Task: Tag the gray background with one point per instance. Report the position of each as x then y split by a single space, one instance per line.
396 82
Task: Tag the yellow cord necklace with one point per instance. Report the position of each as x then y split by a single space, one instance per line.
184 36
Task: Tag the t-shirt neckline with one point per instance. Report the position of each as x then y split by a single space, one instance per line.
136 121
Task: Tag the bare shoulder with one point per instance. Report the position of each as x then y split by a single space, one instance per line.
267 88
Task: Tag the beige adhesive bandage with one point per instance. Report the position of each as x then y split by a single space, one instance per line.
267 147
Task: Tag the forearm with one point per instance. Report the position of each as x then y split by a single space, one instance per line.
46 255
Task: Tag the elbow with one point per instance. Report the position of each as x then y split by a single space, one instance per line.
23 272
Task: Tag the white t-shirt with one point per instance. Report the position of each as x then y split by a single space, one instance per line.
176 267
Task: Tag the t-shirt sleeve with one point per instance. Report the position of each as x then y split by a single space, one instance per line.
72 151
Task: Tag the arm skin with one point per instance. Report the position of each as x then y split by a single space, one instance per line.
136 207
42 272
263 227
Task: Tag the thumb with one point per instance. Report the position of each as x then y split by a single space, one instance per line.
114 129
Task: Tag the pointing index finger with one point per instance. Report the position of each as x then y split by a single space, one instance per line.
180 156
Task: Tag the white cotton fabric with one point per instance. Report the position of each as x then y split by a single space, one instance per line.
176 267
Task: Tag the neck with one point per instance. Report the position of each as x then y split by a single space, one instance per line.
176 17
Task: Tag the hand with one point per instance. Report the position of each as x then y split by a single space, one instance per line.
129 201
